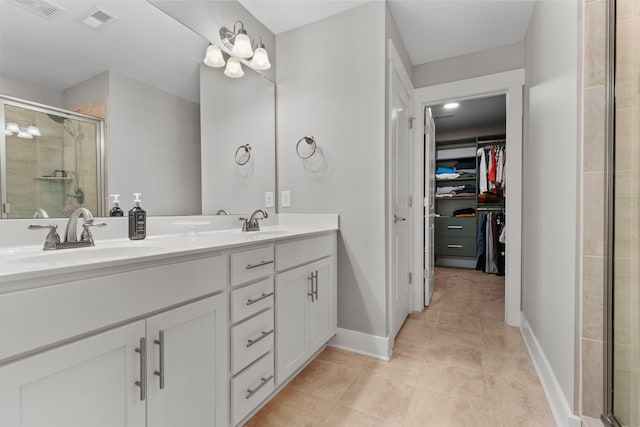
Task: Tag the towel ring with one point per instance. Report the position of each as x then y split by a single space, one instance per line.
310 140
247 154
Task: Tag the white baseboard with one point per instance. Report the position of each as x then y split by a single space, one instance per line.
560 407
365 344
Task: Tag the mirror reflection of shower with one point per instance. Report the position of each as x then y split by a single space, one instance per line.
77 136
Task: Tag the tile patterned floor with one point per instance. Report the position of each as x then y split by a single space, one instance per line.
454 364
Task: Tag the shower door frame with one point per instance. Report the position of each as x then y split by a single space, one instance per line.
42 108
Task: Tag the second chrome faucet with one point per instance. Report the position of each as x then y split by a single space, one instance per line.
252 224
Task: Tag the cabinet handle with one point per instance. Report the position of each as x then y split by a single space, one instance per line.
454 227
142 350
160 342
262 336
264 382
455 246
250 266
312 294
315 279
260 298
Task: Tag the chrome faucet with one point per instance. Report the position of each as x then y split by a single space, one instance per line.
251 224
52 240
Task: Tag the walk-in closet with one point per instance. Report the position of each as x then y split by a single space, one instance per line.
470 184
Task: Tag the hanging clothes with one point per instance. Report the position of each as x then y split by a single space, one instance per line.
483 171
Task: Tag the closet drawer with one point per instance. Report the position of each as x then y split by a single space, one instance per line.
292 254
251 339
251 265
251 387
458 227
456 246
247 301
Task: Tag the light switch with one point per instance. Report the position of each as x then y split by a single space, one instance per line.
286 199
268 199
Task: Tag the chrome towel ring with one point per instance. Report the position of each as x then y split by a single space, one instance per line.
310 146
243 154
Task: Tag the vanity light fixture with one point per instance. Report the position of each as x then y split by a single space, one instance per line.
233 68
451 106
33 130
260 60
24 135
213 57
237 40
28 132
12 127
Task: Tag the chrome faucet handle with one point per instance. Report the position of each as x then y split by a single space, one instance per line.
245 224
52 241
86 234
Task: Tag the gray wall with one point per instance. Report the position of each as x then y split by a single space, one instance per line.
30 91
339 98
90 90
235 112
154 147
550 185
392 32
490 61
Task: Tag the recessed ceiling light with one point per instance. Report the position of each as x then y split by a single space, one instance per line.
451 105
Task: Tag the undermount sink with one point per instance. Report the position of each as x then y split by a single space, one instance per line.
262 234
93 253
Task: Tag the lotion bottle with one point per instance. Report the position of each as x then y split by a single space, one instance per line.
137 220
116 210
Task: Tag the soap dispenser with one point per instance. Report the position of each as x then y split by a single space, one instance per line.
137 220
116 210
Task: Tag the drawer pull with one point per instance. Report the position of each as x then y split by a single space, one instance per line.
142 350
454 227
262 336
454 246
250 266
260 298
264 382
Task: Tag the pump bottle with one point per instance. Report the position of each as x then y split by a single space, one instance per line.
116 210
137 220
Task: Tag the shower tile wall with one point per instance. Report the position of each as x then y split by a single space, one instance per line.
626 339
593 208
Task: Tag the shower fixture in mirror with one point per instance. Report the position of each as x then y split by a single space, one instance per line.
50 161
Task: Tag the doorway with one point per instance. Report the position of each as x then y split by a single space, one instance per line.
509 86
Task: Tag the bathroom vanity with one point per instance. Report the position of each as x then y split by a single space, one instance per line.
195 330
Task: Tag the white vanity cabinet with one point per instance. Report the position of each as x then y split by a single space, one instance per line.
305 301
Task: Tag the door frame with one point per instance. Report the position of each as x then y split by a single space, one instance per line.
510 84
396 66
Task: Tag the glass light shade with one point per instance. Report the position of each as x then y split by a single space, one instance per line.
242 46
33 130
13 127
7 132
214 57
24 135
234 68
260 60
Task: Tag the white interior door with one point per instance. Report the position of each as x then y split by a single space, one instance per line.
400 176
429 211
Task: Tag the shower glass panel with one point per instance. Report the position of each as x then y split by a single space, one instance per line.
625 335
50 162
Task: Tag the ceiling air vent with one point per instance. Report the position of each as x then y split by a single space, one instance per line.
97 19
41 8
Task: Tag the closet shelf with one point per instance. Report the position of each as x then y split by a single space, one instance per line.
456 179
64 179
456 198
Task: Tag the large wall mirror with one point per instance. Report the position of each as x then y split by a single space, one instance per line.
130 68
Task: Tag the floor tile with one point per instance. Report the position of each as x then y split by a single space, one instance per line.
428 409
292 408
345 417
325 380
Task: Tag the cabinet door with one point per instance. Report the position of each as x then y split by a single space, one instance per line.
319 325
188 350
86 383
292 288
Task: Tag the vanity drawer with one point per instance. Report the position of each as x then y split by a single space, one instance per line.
251 387
251 265
251 299
251 339
300 252
456 246
459 227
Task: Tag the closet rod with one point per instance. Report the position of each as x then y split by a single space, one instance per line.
495 208
492 141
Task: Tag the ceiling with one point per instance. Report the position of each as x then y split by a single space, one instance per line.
431 29
144 43
471 114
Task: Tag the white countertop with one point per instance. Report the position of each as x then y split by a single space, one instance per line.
21 263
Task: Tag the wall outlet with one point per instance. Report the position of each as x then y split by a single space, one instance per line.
268 199
286 199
